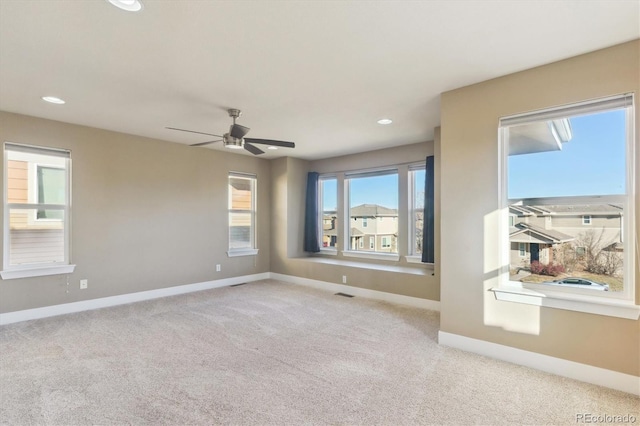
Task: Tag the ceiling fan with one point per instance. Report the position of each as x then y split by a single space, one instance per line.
235 138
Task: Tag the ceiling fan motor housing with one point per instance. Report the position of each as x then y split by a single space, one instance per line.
231 142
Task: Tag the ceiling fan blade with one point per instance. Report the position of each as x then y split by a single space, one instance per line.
271 142
205 143
237 131
193 131
253 149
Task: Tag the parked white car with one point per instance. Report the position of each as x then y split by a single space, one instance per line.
579 283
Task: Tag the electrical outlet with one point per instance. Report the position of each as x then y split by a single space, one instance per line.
84 284
344 279
218 268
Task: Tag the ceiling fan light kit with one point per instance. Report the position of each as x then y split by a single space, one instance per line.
235 139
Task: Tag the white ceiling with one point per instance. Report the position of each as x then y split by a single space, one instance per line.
319 73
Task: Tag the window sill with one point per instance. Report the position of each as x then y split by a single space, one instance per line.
238 253
411 270
568 301
391 257
417 259
328 252
34 271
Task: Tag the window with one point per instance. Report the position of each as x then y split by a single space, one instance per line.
242 214
416 212
541 151
522 248
328 192
37 211
373 195
371 210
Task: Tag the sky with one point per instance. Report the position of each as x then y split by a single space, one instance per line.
591 163
381 190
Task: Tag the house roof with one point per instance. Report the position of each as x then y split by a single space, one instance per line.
526 233
356 232
371 210
358 61
568 209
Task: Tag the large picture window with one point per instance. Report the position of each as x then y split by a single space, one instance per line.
373 211
242 214
566 168
37 210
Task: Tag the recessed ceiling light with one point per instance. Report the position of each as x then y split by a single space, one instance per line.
272 147
128 5
385 121
53 100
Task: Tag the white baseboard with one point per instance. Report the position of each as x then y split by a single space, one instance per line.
416 302
104 302
561 367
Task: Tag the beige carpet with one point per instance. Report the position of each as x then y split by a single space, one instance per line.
270 353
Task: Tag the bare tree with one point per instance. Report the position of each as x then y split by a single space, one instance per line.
597 258
565 254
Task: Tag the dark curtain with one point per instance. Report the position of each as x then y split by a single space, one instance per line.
428 227
311 221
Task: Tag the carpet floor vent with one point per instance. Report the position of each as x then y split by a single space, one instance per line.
236 285
344 295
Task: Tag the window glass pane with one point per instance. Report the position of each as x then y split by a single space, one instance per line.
374 199
241 212
240 230
553 237
329 192
582 155
240 193
417 217
35 178
34 241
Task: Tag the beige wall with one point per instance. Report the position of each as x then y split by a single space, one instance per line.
146 214
469 201
288 190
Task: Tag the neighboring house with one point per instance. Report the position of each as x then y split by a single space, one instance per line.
373 228
535 230
329 228
36 235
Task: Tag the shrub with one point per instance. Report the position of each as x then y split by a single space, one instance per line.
537 268
552 269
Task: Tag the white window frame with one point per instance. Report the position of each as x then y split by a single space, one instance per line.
253 250
586 219
617 304
45 268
